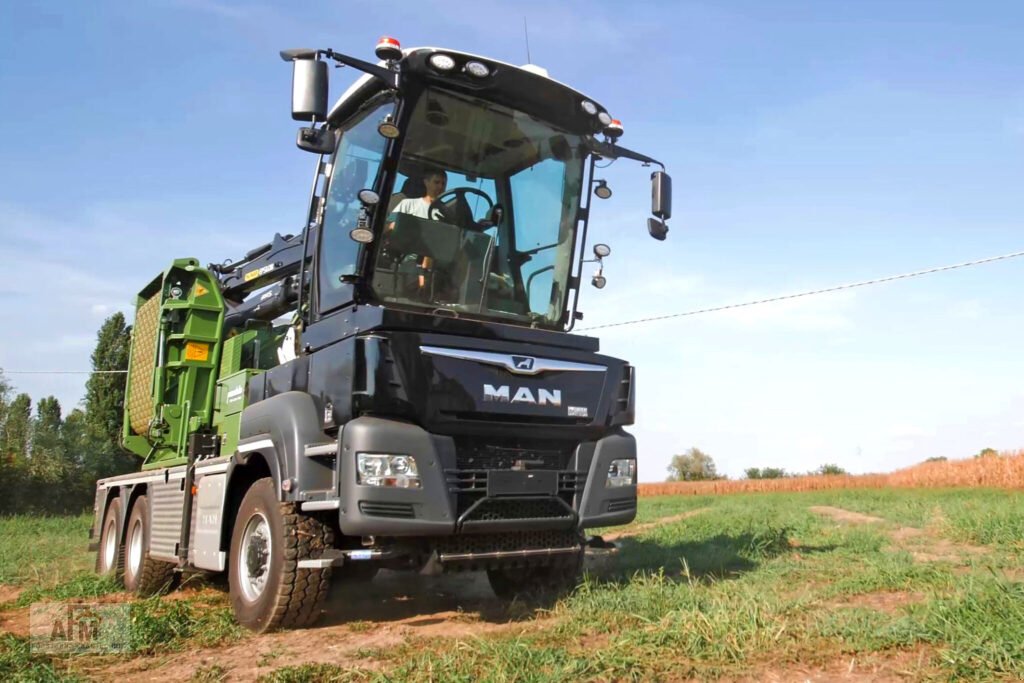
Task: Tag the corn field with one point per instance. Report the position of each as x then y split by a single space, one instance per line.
1003 471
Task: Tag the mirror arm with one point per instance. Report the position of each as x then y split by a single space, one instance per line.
389 77
610 151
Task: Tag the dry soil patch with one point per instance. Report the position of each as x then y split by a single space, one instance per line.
924 545
9 593
882 601
640 528
392 609
909 665
841 515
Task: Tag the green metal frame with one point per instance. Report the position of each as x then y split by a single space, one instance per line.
188 353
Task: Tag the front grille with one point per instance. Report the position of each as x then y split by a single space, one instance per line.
475 481
476 454
506 542
621 504
394 510
493 509
475 457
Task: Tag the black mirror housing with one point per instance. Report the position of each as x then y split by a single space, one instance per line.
316 140
309 90
658 229
661 195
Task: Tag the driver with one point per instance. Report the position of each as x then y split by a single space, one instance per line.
434 183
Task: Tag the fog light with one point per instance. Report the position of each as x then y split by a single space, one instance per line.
386 470
621 473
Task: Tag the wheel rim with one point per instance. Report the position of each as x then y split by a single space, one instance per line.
109 545
254 561
135 548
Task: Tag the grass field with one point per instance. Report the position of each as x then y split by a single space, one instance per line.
872 584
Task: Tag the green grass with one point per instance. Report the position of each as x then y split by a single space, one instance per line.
760 582
18 663
754 583
43 551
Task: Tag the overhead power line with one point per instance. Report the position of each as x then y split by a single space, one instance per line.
62 372
784 297
836 288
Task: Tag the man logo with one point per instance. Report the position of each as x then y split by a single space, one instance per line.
522 362
503 394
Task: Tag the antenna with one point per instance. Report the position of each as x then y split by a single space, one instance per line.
526 32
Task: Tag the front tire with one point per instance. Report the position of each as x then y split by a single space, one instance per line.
268 590
144 575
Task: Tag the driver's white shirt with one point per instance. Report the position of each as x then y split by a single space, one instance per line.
414 206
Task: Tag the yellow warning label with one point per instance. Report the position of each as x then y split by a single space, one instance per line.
200 290
251 275
197 351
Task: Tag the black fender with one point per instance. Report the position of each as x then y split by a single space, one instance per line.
280 428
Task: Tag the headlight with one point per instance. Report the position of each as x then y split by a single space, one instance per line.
621 473
394 471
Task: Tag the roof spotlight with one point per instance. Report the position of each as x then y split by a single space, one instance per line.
602 190
388 49
588 107
604 118
598 280
477 69
442 62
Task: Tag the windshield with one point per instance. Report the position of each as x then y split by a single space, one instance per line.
483 216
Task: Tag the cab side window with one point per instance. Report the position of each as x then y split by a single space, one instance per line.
355 167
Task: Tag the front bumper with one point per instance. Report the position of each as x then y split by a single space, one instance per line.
579 499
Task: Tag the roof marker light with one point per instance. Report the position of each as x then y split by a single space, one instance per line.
442 62
388 49
589 107
477 69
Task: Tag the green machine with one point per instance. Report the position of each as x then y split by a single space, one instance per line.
191 361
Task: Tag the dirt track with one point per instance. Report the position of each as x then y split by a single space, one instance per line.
393 608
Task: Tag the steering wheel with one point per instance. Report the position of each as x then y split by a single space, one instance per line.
437 211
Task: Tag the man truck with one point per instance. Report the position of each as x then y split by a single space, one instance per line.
384 388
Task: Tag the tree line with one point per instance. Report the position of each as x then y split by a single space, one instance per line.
50 459
696 465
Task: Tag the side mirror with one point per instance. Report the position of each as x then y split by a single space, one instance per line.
658 229
661 195
309 86
316 140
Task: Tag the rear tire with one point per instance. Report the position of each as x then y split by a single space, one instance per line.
544 583
268 590
109 560
144 575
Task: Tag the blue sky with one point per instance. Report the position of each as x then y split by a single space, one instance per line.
810 144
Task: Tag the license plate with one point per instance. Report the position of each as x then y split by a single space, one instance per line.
522 483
